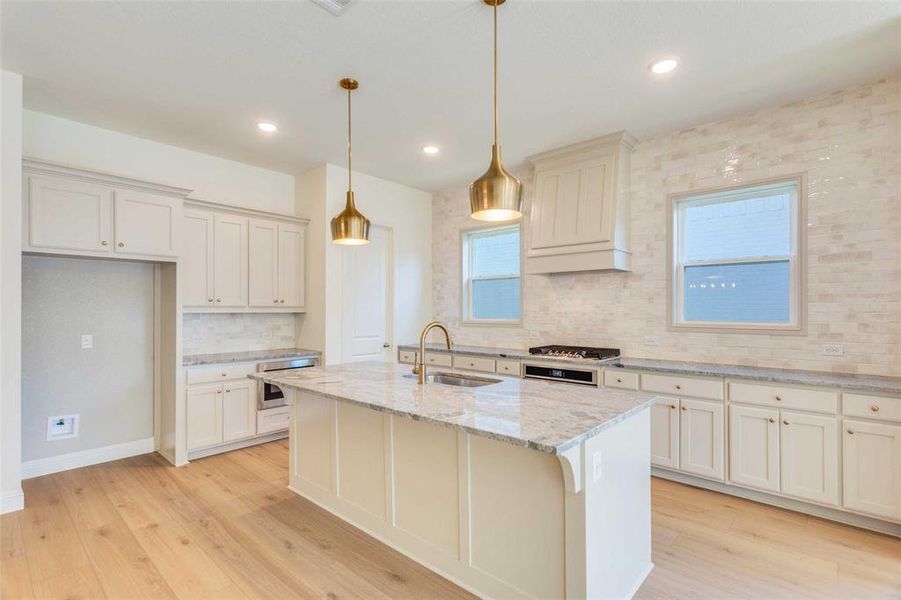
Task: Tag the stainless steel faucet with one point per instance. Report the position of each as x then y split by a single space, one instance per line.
419 365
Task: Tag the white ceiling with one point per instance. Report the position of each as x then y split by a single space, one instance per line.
200 74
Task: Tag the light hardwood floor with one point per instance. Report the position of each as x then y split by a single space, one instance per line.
226 527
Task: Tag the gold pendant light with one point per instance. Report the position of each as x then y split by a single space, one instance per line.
496 195
350 227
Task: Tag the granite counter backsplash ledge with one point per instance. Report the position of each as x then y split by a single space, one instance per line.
865 383
248 356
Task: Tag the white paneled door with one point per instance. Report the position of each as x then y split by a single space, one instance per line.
366 272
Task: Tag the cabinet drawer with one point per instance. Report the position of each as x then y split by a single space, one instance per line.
784 397
709 388
220 373
509 367
620 379
474 363
873 407
406 356
437 358
273 419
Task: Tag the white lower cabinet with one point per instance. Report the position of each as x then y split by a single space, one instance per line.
204 416
665 433
239 411
701 440
809 457
754 447
872 468
221 413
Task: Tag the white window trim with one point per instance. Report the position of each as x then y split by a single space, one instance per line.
796 260
466 259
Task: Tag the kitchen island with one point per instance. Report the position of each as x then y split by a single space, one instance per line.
518 488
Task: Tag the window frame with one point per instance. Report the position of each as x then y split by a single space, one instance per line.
466 260
797 258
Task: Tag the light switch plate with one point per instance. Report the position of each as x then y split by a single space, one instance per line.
87 341
833 350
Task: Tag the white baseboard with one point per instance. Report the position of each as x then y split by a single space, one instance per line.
85 458
262 439
12 501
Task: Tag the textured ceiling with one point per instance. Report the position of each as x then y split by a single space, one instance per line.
200 74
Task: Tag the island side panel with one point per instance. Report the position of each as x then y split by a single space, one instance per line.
485 514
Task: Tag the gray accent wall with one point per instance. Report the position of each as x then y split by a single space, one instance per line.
111 385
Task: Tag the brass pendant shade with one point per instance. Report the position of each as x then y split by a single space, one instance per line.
496 195
350 227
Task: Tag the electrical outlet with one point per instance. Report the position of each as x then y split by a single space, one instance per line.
87 341
832 350
596 463
62 427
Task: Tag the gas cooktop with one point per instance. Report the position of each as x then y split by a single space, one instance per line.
574 352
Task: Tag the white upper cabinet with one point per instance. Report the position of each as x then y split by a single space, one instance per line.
68 215
264 263
82 213
146 224
197 258
579 217
290 265
230 260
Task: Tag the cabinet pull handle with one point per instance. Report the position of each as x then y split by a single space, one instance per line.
772 420
121 244
875 408
104 242
784 422
778 398
850 431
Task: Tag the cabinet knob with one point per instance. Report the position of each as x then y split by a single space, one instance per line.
121 244
282 301
209 299
875 408
275 301
678 387
218 299
104 243
784 422
224 374
778 398
850 431
227 390
771 420
618 380
218 391
683 408
672 406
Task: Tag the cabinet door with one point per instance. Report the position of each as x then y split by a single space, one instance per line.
872 468
701 438
574 204
809 457
263 263
204 416
291 265
230 263
239 410
665 433
197 259
145 224
68 215
754 447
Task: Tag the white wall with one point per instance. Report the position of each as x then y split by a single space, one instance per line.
212 178
110 385
11 497
407 211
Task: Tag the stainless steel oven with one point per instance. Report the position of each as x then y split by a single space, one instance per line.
271 396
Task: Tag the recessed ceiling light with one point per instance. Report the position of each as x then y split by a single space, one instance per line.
267 127
431 150
664 65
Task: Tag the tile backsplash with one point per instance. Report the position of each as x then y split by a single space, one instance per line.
236 332
849 145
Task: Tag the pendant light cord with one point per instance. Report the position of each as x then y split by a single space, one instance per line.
495 72
349 168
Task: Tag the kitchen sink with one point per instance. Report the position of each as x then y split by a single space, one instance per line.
457 379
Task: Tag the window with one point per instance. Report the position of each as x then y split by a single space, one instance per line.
736 262
491 266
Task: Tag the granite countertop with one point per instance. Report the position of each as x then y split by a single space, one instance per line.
248 356
546 416
850 381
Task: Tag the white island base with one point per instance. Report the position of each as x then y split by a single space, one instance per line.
501 520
